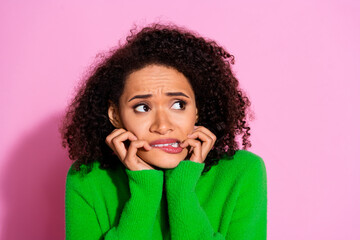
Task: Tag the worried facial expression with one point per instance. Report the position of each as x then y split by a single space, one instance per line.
158 106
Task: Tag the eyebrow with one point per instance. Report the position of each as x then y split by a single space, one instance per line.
171 94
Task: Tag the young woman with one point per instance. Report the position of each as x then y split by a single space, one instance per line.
152 132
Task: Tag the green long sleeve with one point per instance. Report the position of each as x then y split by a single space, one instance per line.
249 220
82 220
227 202
188 220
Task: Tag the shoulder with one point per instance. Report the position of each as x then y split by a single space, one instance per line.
247 158
244 161
88 174
84 172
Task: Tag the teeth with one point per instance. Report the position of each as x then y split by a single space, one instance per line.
167 144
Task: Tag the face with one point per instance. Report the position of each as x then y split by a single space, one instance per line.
158 104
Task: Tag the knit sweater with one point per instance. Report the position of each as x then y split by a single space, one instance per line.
227 202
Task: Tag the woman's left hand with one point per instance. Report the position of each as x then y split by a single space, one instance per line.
199 148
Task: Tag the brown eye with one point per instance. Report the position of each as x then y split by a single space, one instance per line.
179 105
141 108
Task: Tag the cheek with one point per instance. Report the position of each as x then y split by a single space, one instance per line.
189 127
137 128
186 123
133 124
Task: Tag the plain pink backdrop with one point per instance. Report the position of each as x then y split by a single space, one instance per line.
299 62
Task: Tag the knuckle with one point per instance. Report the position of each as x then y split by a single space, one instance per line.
140 142
114 140
108 139
117 139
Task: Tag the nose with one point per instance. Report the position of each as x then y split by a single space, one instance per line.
161 123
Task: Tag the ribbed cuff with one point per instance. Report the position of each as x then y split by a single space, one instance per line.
183 177
141 209
148 182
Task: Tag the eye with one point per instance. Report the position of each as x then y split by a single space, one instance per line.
179 105
141 108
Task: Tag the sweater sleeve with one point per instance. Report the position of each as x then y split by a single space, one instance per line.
189 221
249 220
187 218
81 220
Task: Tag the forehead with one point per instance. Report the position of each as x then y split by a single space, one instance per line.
156 79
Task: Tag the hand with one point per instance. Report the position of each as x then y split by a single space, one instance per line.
127 155
199 149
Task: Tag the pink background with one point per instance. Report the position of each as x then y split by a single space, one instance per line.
299 62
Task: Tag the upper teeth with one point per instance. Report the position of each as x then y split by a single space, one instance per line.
167 144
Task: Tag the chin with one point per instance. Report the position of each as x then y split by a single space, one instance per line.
161 159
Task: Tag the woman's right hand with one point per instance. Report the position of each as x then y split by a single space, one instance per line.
115 140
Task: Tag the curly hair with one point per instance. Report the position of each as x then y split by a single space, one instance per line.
223 107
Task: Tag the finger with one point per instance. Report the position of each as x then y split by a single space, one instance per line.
116 132
132 161
113 134
201 135
135 145
189 148
206 131
118 143
120 131
207 142
196 155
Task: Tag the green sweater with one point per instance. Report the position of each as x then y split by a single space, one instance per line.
228 202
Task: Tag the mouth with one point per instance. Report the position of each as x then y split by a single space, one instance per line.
167 145
175 145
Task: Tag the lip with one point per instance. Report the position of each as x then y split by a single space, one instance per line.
165 141
167 149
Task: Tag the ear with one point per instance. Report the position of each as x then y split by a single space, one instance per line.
114 115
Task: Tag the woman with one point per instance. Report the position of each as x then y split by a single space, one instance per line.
152 132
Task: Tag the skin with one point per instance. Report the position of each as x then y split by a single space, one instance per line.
147 112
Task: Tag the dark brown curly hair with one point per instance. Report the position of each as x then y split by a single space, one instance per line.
222 106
